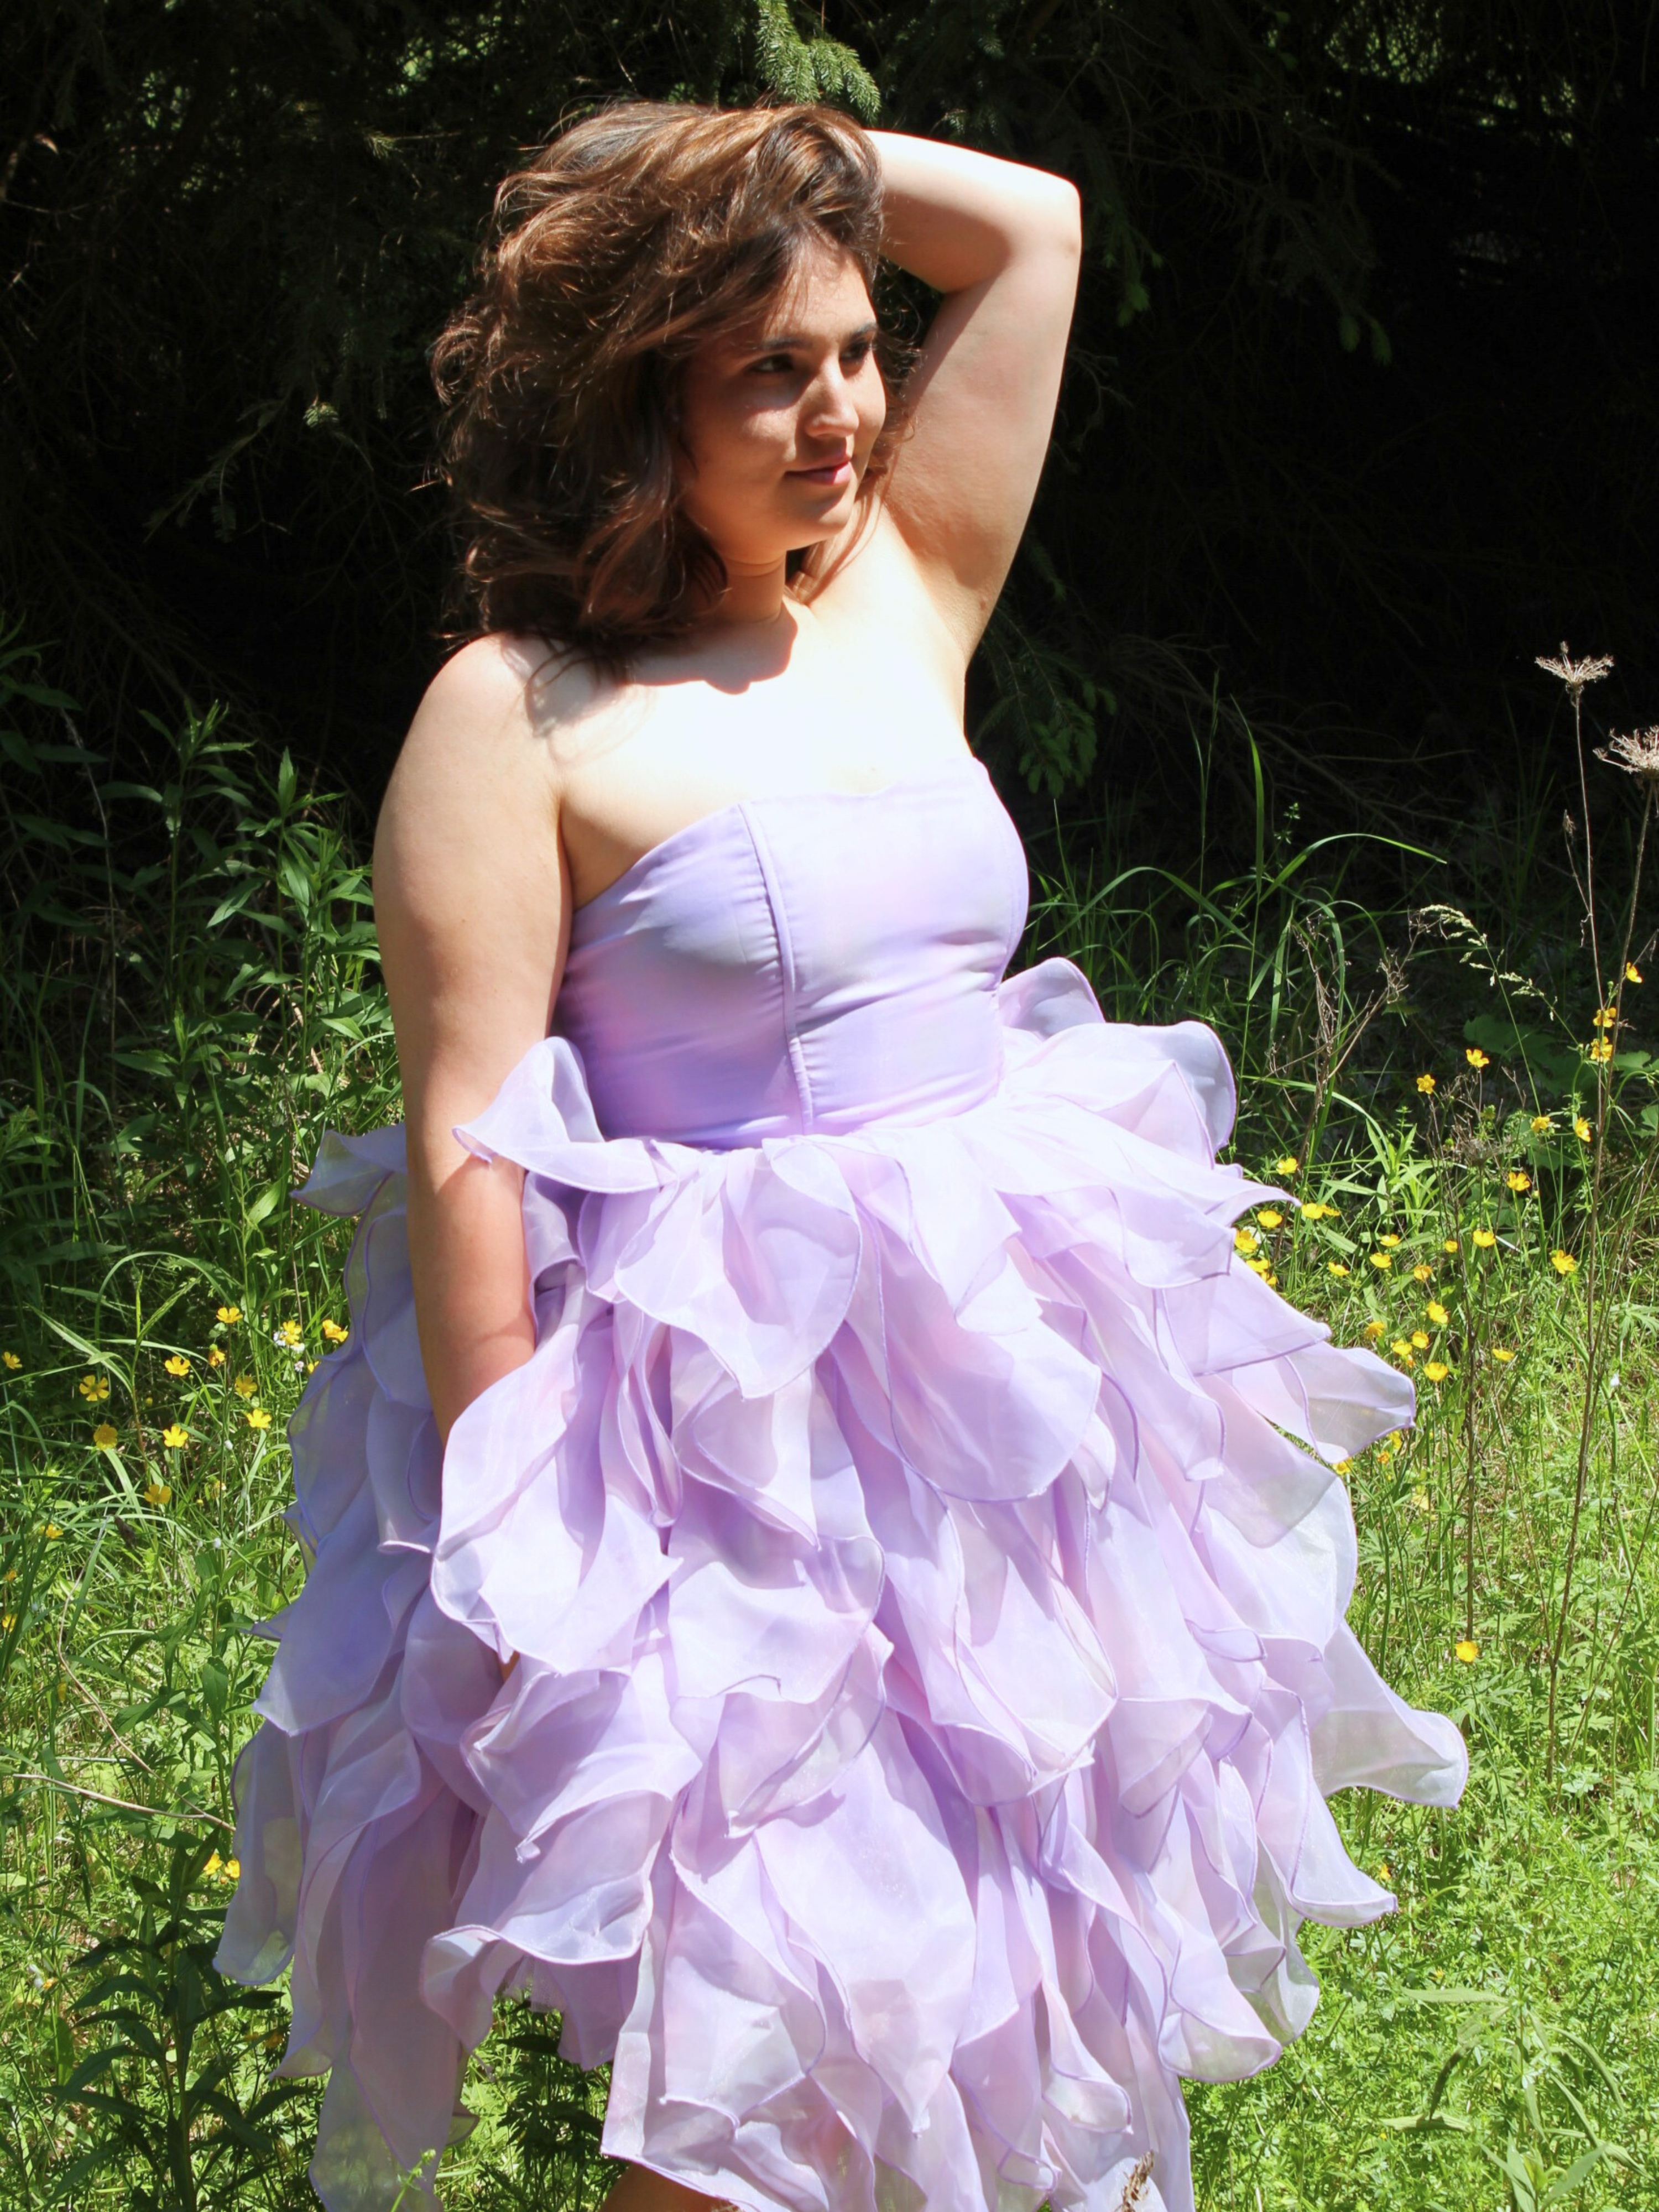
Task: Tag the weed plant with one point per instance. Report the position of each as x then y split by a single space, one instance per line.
1453 1098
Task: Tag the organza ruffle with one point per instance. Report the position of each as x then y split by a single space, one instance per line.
923 1572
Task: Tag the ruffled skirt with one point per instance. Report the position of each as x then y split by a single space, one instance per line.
926 1571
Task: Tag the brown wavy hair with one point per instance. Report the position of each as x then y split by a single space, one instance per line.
637 235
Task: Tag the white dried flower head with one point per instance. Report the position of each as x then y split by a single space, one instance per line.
1576 674
1637 754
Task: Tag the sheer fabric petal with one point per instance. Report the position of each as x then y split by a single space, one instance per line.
920 1570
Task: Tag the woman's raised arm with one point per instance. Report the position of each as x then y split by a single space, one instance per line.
1003 243
471 903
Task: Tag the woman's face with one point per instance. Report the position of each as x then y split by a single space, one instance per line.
779 421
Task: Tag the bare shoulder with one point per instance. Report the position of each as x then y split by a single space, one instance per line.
478 753
469 890
489 706
469 879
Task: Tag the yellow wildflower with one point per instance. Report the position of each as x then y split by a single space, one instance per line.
1475 1057
1289 1165
1484 1239
1342 1466
1451 1244
258 1418
290 1334
213 1864
94 1389
1422 1274
1601 1049
1425 1084
10 1359
1374 1329
1245 1240
1270 1218
1543 1124
7 1622
1419 1339
233 1869
1632 973
1582 1130
1401 1351
1564 1263
1467 1649
1606 1017
158 1493
176 1366
1438 1313
243 1386
229 1315
1389 1242
334 1333
1518 1181
1316 1210
1502 1353
1337 1268
1436 1370
104 1436
216 1356
1385 1872
1382 1259
52 1532
174 1437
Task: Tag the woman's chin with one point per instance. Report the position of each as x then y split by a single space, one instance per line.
822 516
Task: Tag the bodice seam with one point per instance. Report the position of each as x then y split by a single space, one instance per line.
764 862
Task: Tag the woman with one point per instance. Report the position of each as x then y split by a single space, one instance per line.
875 1660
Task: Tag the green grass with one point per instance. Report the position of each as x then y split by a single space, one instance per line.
188 995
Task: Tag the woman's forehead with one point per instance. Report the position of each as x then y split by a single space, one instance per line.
820 297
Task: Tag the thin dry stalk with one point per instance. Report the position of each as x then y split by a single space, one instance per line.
1576 674
1469 1497
1610 1644
1638 757
1135 2188
1332 1053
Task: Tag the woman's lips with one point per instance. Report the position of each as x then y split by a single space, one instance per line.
833 472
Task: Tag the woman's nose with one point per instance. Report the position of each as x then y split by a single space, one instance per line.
830 403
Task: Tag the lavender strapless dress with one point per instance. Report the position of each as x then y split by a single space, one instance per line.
919 1533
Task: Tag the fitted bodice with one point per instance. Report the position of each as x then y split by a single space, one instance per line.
814 960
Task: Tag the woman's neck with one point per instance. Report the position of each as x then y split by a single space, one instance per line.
753 596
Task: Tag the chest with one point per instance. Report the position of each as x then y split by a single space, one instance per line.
848 713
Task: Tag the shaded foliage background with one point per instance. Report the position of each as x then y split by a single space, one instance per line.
1360 413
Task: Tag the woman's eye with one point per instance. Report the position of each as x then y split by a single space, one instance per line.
855 356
